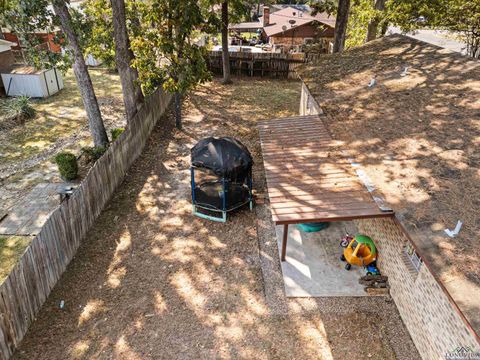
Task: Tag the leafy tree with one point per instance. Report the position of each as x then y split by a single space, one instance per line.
99 27
375 19
132 93
225 52
232 11
165 54
458 16
341 9
368 19
26 18
80 70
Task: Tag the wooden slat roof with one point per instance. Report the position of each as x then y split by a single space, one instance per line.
307 177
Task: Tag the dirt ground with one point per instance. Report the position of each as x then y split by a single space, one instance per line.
153 282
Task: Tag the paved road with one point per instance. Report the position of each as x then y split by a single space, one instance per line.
435 37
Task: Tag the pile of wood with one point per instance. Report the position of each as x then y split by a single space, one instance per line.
375 284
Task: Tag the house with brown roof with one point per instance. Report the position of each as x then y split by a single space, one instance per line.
6 59
290 28
415 133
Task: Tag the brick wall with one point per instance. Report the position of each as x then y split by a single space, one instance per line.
297 36
6 60
433 321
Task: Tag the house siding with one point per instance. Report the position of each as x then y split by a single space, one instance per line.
297 36
430 315
6 59
46 39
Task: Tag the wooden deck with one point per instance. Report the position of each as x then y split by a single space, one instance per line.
308 179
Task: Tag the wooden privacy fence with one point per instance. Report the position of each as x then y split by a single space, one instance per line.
26 288
258 64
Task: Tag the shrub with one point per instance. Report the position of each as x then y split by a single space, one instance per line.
93 153
15 110
67 165
116 133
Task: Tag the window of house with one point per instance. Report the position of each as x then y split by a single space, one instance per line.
308 41
414 259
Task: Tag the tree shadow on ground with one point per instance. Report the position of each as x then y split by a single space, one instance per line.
151 281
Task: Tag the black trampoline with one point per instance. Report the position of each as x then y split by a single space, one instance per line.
221 174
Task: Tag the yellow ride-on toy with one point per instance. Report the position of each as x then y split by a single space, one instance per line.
360 251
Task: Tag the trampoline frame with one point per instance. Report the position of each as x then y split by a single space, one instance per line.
248 180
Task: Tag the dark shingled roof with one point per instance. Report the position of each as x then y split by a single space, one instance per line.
417 137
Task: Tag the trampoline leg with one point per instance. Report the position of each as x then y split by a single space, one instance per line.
224 216
284 241
251 205
194 209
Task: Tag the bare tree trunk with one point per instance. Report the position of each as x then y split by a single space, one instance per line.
178 110
132 93
384 28
225 54
372 29
341 25
472 39
84 82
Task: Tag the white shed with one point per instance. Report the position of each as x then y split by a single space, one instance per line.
27 81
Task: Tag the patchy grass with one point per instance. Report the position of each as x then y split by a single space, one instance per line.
59 117
11 248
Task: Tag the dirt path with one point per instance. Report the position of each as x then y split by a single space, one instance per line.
153 282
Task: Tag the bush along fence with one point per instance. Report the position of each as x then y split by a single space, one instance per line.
258 64
26 288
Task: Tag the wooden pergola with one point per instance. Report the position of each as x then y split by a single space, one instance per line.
308 179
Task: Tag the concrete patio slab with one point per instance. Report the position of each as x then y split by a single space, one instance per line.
313 267
27 217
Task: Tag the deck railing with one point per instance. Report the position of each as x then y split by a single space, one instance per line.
257 64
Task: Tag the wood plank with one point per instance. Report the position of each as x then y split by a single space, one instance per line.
282 220
338 195
288 120
334 208
307 178
317 204
306 124
325 213
287 168
329 187
273 134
